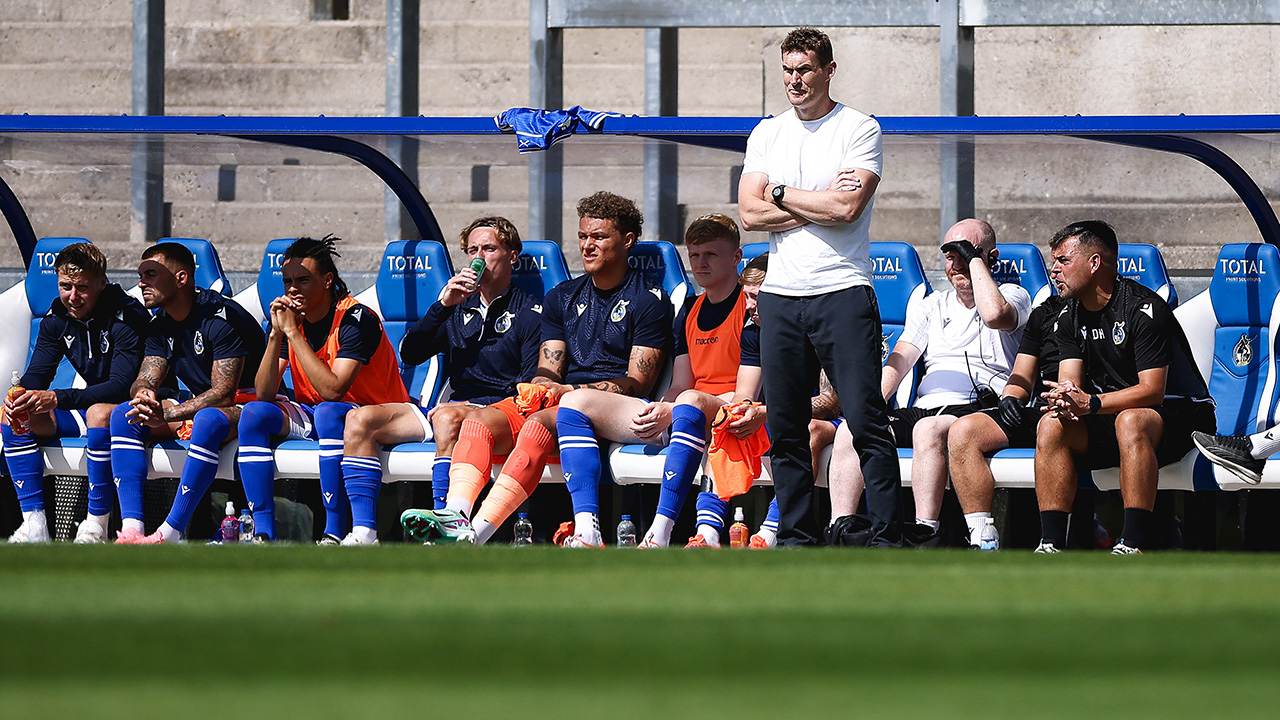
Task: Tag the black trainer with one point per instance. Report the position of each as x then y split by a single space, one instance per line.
1233 452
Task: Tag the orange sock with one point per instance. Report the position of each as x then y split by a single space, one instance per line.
520 475
472 463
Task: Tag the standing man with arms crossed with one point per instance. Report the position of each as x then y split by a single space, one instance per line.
489 331
100 330
809 179
1128 394
213 346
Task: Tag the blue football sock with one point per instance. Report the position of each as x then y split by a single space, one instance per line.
771 517
440 482
259 422
363 479
128 462
579 459
98 464
209 429
26 466
330 418
711 510
684 457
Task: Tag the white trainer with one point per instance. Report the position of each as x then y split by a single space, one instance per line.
90 532
358 539
35 529
1045 548
1121 549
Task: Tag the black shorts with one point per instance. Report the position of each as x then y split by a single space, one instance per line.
903 420
1180 418
1022 435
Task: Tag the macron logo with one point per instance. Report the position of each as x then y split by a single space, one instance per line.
19 483
670 474
185 489
328 497
582 307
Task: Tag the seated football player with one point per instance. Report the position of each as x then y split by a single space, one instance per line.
489 331
339 358
608 330
100 330
213 346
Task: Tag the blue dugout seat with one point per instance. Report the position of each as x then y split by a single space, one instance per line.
410 278
542 266
750 252
660 260
1022 263
209 272
1144 263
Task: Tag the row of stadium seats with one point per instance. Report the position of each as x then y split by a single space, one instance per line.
1229 326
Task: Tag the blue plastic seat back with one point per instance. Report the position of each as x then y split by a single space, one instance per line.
661 262
270 286
750 252
542 266
1145 264
209 272
1022 263
1243 292
898 278
410 278
42 290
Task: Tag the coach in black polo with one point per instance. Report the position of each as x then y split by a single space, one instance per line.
1128 391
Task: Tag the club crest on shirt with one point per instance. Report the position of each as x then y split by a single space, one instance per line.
503 323
1243 352
104 343
884 348
1117 333
68 339
198 343
619 311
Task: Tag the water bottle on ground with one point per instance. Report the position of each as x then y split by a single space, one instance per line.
230 525
739 533
989 539
524 530
626 532
246 526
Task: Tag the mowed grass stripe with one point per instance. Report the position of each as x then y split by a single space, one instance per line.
659 629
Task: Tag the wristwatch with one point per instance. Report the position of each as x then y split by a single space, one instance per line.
778 192
1095 404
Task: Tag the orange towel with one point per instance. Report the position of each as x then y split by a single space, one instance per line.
735 463
530 398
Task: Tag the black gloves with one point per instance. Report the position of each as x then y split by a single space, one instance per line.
1010 411
964 249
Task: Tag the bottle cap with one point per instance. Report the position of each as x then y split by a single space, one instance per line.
16 378
737 514
522 515
231 509
626 517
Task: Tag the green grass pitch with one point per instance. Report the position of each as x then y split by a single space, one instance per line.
407 631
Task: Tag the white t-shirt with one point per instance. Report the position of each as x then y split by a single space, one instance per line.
946 330
807 154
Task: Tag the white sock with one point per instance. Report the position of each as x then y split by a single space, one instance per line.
1265 444
132 524
770 537
35 518
975 521
586 525
931 524
660 531
365 534
484 531
459 505
710 534
102 520
169 534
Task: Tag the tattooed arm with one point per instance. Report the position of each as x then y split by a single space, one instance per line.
551 365
224 381
642 372
150 375
826 406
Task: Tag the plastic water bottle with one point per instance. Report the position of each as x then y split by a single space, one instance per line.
19 422
524 530
246 526
230 525
739 533
989 538
626 532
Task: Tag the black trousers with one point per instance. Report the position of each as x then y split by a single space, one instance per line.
840 333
